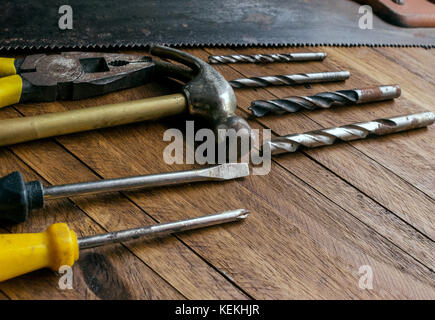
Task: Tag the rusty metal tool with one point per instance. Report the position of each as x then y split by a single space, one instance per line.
59 246
324 100
18 198
404 13
268 58
206 94
199 23
70 76
350 132
290 79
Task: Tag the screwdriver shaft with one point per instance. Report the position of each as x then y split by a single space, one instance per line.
323 137
268 58
290 79
219 172
163 228
324 100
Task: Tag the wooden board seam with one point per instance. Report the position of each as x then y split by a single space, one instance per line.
403 66
257 120
142 210
368 226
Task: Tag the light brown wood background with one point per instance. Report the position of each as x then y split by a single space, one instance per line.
316 218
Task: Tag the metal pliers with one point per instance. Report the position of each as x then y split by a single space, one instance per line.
70 76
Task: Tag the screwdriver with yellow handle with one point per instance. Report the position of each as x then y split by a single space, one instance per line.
59 245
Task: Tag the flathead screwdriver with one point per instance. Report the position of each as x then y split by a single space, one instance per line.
59 246
18 198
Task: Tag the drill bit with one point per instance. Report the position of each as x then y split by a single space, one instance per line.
324 100
290 79
268 58
361 130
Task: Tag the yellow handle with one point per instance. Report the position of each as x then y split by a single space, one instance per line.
10 90
7 67
18 130
26 252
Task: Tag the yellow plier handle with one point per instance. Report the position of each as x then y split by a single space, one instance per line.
11 85
7 67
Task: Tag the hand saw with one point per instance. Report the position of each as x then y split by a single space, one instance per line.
33 25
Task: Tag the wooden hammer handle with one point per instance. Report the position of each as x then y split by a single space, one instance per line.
59 123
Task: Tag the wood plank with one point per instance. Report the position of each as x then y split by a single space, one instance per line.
362 207
3 296
416 95
113 276
395 155
113 166
115 212
419 61
119 147
42 284
296 244
383 179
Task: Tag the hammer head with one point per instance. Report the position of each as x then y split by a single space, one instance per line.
208 94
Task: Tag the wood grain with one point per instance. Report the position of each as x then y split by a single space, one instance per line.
44 283
317 217
3 296
390 171
115 212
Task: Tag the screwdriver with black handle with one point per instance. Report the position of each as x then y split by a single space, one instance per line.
59 245
18 198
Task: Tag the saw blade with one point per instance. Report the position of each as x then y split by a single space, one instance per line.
33 25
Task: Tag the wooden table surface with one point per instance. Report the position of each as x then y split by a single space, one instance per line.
317 217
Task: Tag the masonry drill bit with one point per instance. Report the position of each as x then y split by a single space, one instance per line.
361 130
324 100
290 79
268 58
59 246
18 198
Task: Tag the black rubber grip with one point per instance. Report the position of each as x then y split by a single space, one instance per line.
18 198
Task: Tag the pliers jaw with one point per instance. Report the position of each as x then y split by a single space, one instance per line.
80 75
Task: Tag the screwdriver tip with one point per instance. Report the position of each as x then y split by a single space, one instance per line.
231 215
228 171
242 213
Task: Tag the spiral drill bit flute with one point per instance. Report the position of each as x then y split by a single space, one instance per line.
324 100
361 130
290 79
268 58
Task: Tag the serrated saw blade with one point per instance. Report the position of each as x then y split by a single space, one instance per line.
30 25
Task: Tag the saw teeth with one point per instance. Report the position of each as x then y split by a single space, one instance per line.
11 48
118 63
